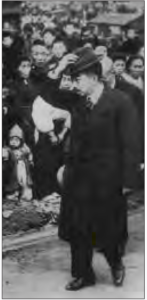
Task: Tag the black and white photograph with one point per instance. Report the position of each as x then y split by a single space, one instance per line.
73 136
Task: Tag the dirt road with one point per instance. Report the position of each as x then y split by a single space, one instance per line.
42 271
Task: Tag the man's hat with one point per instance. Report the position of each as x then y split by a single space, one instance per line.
86 59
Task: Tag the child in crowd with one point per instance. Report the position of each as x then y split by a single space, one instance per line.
119 64
17 160
24 68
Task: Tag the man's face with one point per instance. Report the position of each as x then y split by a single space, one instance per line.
59 49
40 55
136 68
24 69
69 30
83 84
119 66
48 39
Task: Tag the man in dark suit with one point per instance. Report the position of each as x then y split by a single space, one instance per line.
100 170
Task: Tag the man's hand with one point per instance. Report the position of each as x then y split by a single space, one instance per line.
66 60
53 138
62 134
89 104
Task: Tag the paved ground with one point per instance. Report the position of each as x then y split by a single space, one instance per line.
42 271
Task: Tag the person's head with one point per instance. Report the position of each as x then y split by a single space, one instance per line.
131 34
66 82
59 48
86 72
83 75
101 52
24 67
8 39
69 29
86 32
49 37
15 137
8 34
15 142
119 64
86 81
135 66
40 54
28 30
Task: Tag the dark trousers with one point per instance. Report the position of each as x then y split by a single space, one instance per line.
81 257
82 254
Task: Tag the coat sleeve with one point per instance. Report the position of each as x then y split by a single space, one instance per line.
128 130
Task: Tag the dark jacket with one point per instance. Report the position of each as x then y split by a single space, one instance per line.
103 158
11 57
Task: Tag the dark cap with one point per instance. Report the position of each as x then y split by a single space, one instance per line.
86 60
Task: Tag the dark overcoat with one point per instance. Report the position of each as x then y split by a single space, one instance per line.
103 158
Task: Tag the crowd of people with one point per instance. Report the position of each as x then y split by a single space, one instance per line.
33 63
73 123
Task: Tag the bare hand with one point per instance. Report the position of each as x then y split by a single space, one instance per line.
66 60
53 139
60 138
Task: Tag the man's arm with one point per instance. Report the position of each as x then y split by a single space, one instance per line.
64 62
128 130
65 116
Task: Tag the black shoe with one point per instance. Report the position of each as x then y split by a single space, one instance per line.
78 283
118 274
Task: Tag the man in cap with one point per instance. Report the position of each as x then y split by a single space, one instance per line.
100 170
